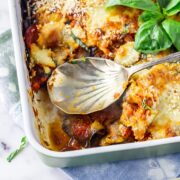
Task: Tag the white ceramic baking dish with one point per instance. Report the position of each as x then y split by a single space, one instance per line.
78 157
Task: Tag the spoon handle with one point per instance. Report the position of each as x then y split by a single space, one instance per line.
170 58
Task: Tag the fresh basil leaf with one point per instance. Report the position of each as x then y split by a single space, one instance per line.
170 7
163 3
151 38
147 5
17 151
172 28
78 41
174 10
147 15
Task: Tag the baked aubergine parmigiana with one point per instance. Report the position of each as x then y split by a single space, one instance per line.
57 31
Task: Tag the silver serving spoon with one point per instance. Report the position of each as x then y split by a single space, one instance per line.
92 84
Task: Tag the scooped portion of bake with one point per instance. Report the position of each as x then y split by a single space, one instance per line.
59 31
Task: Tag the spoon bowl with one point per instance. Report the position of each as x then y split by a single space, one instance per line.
92 84
82 87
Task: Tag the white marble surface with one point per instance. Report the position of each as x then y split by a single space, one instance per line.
4 16
27 166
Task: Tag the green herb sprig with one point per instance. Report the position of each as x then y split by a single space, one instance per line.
74 62
82 59
157 31
17 151
78 41
144 105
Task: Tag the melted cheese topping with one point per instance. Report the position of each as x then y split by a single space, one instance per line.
167 120
153 86
159 116
89 21
126 55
